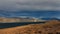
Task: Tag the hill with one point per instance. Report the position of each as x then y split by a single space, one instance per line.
50 27
16 19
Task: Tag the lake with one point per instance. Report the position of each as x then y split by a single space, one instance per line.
8 25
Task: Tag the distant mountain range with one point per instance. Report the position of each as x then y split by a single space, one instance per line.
25 19
46 15
29 13
50 19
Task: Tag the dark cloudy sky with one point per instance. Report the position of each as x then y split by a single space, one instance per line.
30 8
12 5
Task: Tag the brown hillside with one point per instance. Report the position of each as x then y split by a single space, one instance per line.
50 27
10 20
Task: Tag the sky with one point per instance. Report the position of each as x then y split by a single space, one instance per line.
36 8
13 5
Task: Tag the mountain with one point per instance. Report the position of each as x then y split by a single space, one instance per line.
50 19
29 13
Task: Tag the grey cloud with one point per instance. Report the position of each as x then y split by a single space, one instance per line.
13 5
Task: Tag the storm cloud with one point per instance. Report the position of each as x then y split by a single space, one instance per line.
14 5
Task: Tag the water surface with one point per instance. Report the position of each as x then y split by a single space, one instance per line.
8 25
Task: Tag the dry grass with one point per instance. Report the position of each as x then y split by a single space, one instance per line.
48 27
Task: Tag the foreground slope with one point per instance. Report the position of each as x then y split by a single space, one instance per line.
50 27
